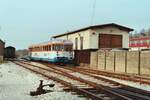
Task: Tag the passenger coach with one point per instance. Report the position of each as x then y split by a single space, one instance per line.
52 51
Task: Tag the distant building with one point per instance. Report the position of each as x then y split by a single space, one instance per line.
97 37
139 43
2 46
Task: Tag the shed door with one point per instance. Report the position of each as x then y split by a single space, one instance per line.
104 41
116 41
110 41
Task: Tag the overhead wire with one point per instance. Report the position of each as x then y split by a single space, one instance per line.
93 12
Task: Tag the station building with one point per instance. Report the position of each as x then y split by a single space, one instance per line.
92 38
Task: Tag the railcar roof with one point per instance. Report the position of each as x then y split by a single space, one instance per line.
53 41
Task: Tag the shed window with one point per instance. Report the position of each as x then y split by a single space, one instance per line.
81 45
76 43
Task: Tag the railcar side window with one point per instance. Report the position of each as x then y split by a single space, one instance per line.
41 49
61 48
46 48
49 48
37 48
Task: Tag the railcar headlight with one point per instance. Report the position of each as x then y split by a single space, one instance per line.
71 58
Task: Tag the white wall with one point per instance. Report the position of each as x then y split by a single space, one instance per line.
86 38
94 37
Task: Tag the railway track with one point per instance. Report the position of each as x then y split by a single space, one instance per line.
110 81
128 89
134 78
123 76
91 89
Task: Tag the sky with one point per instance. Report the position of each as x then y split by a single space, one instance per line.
26 22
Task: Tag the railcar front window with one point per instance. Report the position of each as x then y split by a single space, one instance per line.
57 47
68 48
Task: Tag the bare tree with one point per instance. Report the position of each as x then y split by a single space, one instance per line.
135 34
148 32
142 32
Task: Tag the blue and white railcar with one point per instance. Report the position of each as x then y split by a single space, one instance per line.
53 51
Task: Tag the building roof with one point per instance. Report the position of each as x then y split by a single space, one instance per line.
96 26
2 41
